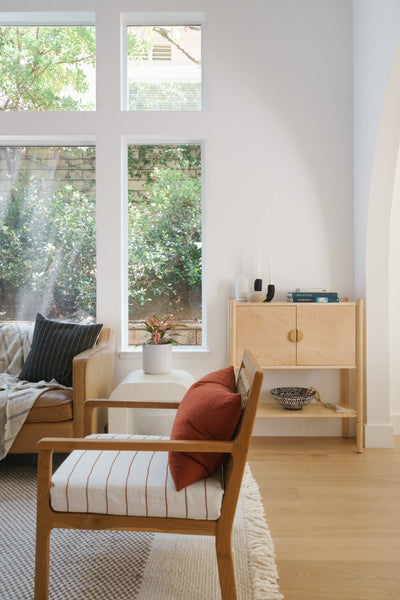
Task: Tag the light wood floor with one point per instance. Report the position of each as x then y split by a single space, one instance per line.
334 516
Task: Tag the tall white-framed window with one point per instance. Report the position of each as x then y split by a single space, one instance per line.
162 62
47 229
164 236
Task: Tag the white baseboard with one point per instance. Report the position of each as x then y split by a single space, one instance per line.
379 436
395 420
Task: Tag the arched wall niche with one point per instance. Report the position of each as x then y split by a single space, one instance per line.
383 273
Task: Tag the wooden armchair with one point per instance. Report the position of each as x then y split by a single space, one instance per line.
144 515
60 412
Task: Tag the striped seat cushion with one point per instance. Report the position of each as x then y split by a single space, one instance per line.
131 483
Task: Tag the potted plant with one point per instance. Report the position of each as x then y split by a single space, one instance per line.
157 349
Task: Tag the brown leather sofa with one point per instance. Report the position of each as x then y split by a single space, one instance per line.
59 412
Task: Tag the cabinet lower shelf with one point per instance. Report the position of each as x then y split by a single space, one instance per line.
271 409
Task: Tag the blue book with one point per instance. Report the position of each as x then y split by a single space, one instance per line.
313 295
321 299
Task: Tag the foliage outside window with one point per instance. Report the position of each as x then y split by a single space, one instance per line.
47 68
164 235
47 232
164 67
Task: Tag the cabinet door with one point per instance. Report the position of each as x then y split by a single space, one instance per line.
264 330
329 335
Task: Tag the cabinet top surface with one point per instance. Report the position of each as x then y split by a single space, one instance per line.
330 304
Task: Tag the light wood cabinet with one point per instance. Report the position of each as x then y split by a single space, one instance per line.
285 335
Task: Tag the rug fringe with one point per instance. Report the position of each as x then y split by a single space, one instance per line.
264 574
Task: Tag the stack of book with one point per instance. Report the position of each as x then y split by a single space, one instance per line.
312 295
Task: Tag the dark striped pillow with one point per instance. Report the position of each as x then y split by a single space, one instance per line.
54 345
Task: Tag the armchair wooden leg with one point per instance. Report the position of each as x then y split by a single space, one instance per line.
43 525
42 562
225 567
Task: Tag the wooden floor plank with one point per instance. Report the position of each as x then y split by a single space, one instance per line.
353 580
334 516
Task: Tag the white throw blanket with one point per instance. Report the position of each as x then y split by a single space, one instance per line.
16 396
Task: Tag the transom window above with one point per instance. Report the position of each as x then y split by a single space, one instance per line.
45 67
164 67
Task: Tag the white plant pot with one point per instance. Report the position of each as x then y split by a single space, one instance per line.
157 359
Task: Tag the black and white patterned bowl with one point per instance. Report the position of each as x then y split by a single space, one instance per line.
293 398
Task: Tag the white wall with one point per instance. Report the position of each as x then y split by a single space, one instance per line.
277 129
376 33
376 143
394 295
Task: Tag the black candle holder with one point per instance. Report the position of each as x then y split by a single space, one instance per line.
258 285
270 293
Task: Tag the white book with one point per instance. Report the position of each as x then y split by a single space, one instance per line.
317 290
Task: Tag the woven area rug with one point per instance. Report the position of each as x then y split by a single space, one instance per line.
98 565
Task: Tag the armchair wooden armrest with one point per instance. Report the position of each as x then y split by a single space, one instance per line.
91 405
69 444
93 377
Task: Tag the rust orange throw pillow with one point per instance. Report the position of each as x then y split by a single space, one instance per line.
210 410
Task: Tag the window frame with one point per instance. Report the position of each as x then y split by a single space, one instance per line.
157 141
47 18
32 128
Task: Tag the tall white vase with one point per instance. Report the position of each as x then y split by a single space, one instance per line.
157 358
241 289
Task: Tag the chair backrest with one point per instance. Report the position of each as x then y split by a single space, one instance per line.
248 384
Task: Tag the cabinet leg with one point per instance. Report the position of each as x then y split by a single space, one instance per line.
345 401
359 436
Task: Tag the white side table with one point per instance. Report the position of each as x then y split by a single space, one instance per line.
140 386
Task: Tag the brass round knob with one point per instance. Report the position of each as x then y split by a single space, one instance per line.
296 335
